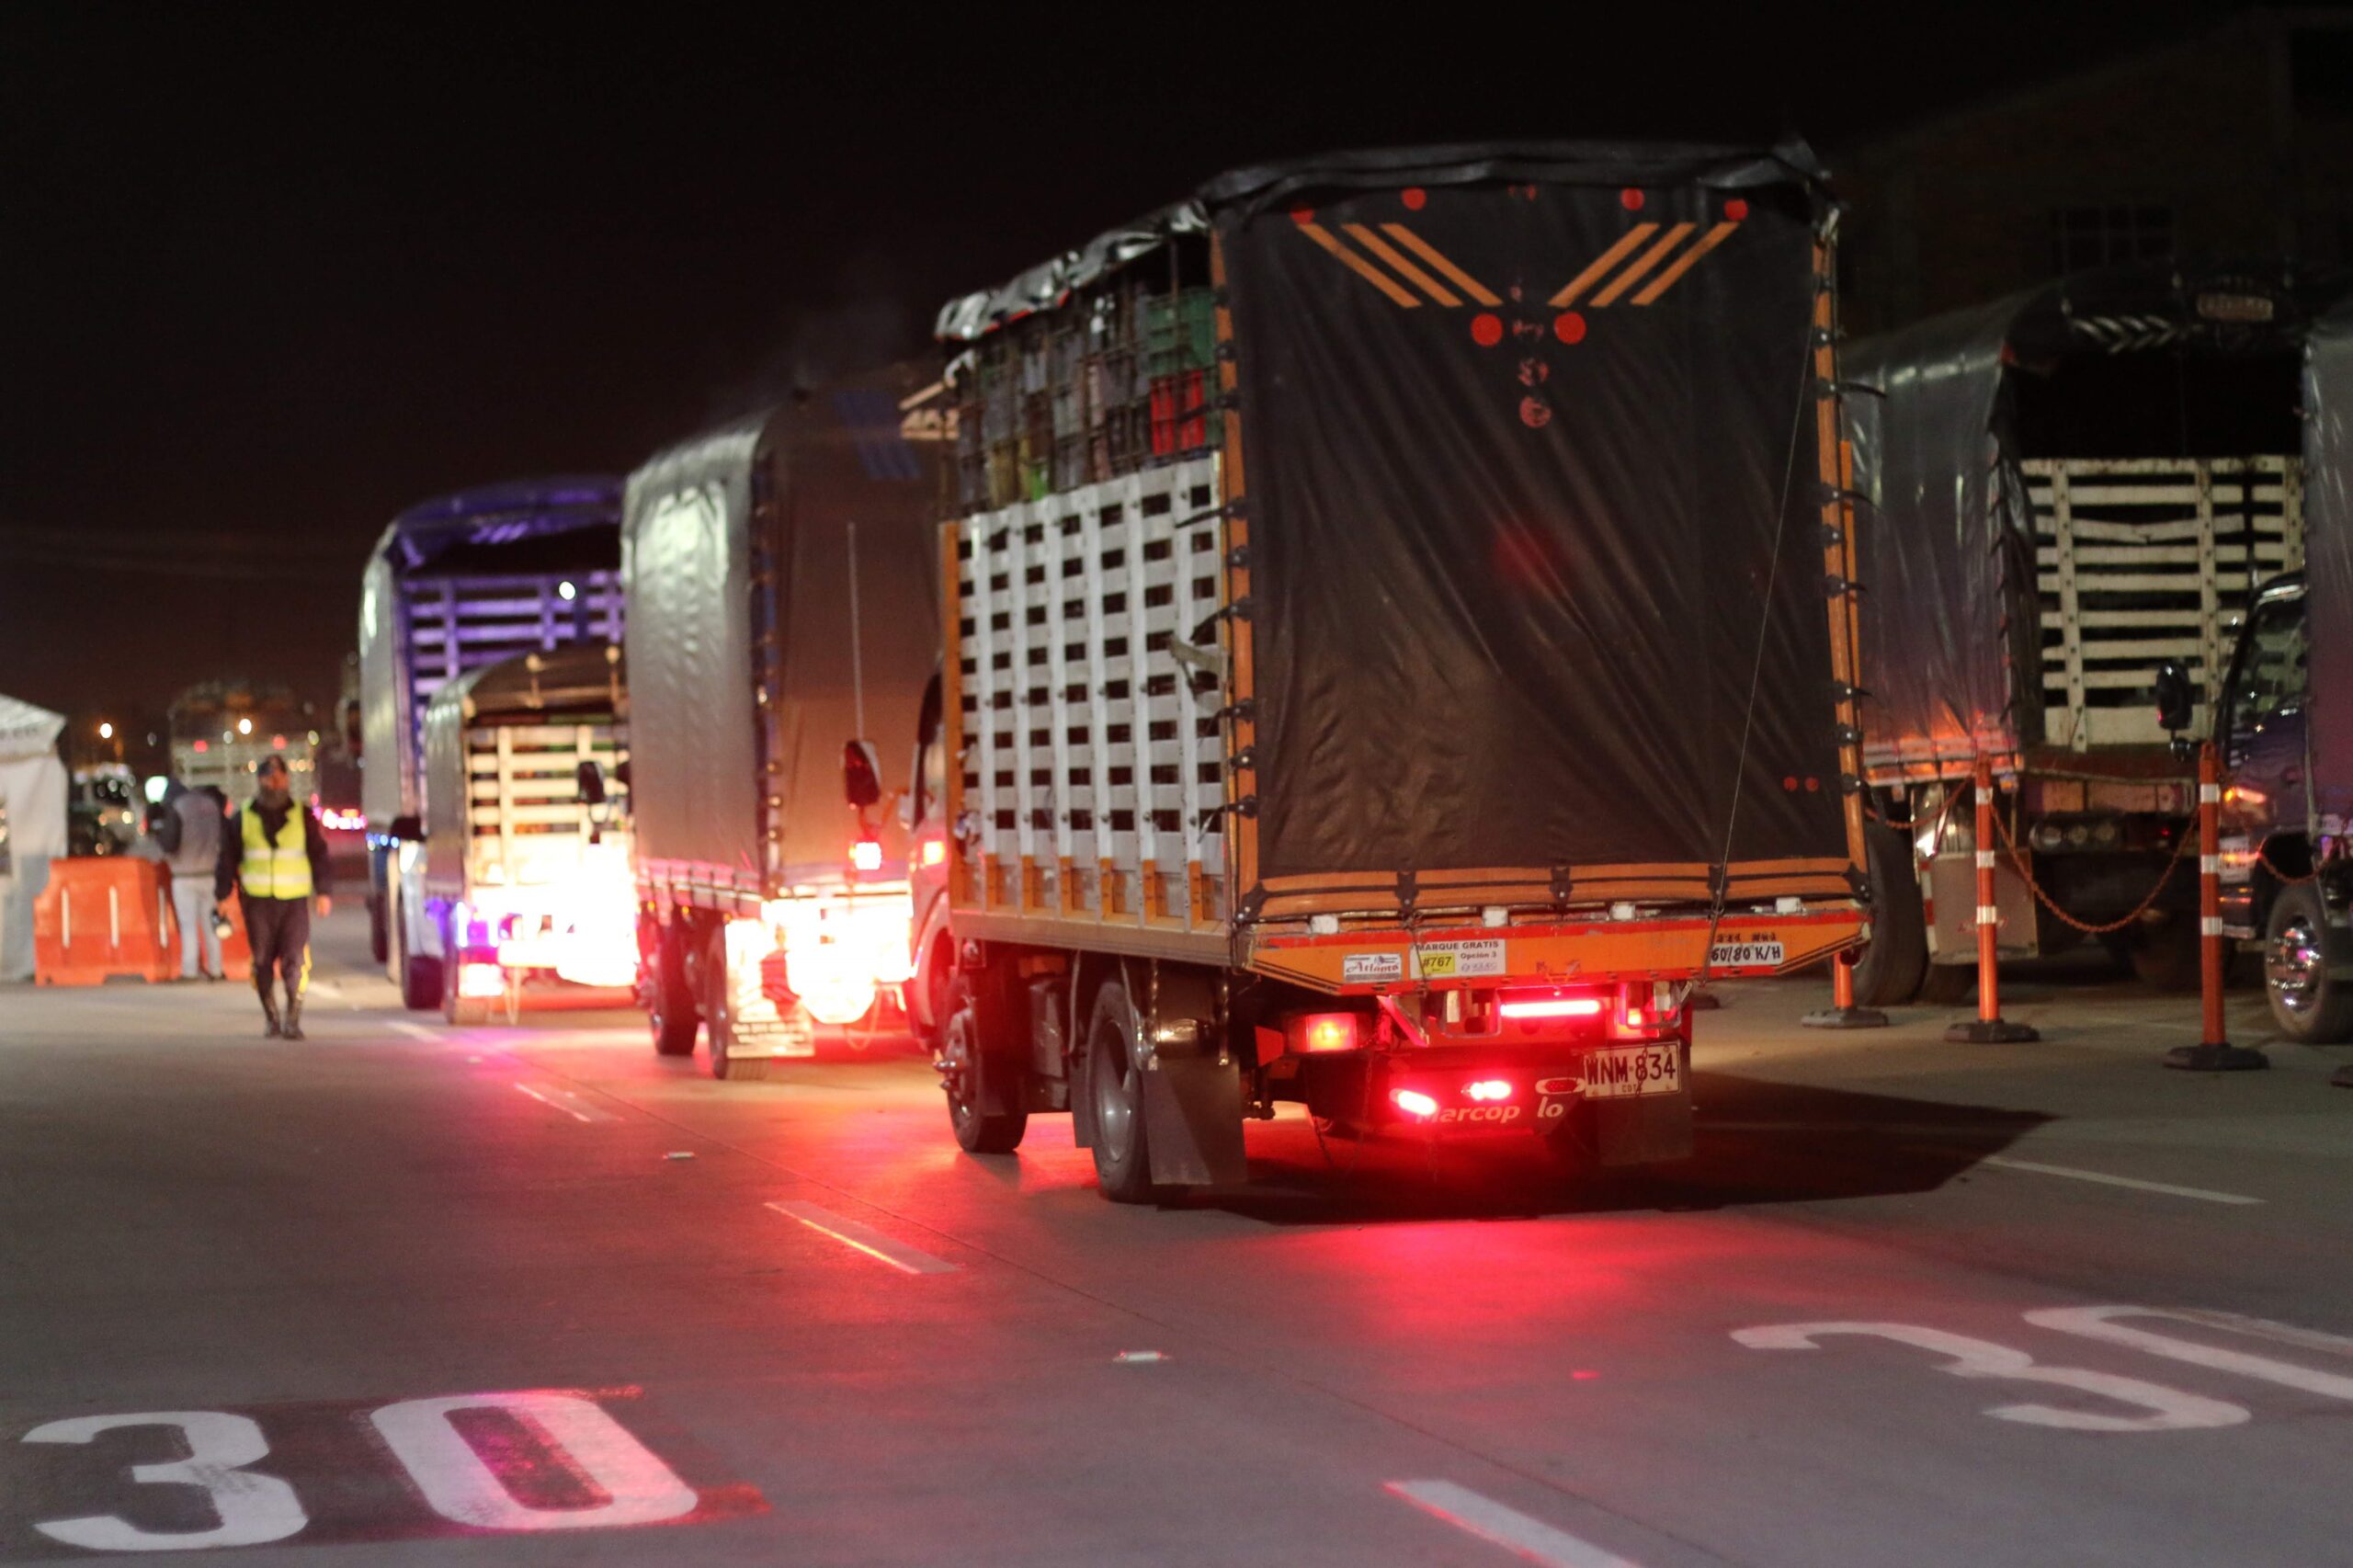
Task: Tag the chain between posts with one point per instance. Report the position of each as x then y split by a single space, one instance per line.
2180 852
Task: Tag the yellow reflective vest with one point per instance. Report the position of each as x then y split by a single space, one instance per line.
275 870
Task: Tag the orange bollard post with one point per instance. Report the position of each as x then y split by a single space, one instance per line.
1842 1013
2213 1052
1989 1028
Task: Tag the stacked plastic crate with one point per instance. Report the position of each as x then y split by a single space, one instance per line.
1118 379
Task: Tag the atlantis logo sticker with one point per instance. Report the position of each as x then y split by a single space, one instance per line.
1372 969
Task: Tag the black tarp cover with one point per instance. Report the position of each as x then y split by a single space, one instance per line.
2328 556
1514 509
732 789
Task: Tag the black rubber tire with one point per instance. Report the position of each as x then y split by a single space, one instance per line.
2324 1014
459 1012
1888 969
1949 984
420 976
380 937
2166 957
670 1012
718 1018
968 1037
1122 1146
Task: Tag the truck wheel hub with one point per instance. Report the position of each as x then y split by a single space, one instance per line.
2294 966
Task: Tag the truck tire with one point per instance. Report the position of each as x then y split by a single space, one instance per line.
670 1007
460 1012
1888 969
420 976
719 1017
2310 1005
1115 1089
2165 957
966 1059
1949 984
379 936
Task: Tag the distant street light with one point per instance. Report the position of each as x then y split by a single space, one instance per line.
567 592
244 726
106 731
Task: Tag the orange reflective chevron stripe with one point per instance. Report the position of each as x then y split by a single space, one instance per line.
1359 266
1642 264
1602 264
1411 273
1431 253
1684 263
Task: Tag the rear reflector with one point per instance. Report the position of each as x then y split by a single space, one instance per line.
1412 1102
1552 1007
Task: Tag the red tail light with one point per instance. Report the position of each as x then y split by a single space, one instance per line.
935 850
1552 1007
1325 1031
1488 1089
866 855
1412 1102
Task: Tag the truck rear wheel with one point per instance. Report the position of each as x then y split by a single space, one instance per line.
420 976
719 1017
966 1060
2165 956
2300 954
669 1006
1949 984
1888 969
1115 1090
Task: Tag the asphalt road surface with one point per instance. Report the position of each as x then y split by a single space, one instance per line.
404 1294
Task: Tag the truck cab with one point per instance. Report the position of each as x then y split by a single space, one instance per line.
2279 895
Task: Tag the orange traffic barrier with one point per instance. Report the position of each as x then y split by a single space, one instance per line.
101 919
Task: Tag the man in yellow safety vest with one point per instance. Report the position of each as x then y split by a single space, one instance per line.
274 856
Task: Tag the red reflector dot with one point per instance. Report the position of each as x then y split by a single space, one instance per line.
1302 214
1813 786
1790 782
1630 200
1735 209
1486 329
1535 412
1414 196
1569 326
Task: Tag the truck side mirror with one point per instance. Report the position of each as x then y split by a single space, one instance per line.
591 782
861 774
2175 697
406 828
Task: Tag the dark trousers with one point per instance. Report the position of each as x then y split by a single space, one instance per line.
279 932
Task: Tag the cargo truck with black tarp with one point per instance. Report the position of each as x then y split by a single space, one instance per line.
1399 641
2064 488
2282 722
456 585
782 580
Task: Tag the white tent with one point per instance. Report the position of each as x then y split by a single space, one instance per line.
33 789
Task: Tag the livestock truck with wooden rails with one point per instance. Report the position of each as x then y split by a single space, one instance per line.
783 576
1398 645
2061 490
456 586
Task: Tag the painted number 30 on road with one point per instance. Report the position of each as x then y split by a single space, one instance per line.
614 1479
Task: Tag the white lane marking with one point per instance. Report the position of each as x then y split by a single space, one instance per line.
865 1238
2098 1322
2170 1409
571 1104
1136 1357
2105 1180
1507 1528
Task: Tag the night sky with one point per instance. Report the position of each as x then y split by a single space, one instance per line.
267 275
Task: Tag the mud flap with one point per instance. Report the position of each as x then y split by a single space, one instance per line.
1192 1118
1645 1130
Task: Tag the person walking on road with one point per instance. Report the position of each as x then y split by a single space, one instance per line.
189 834
275 855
